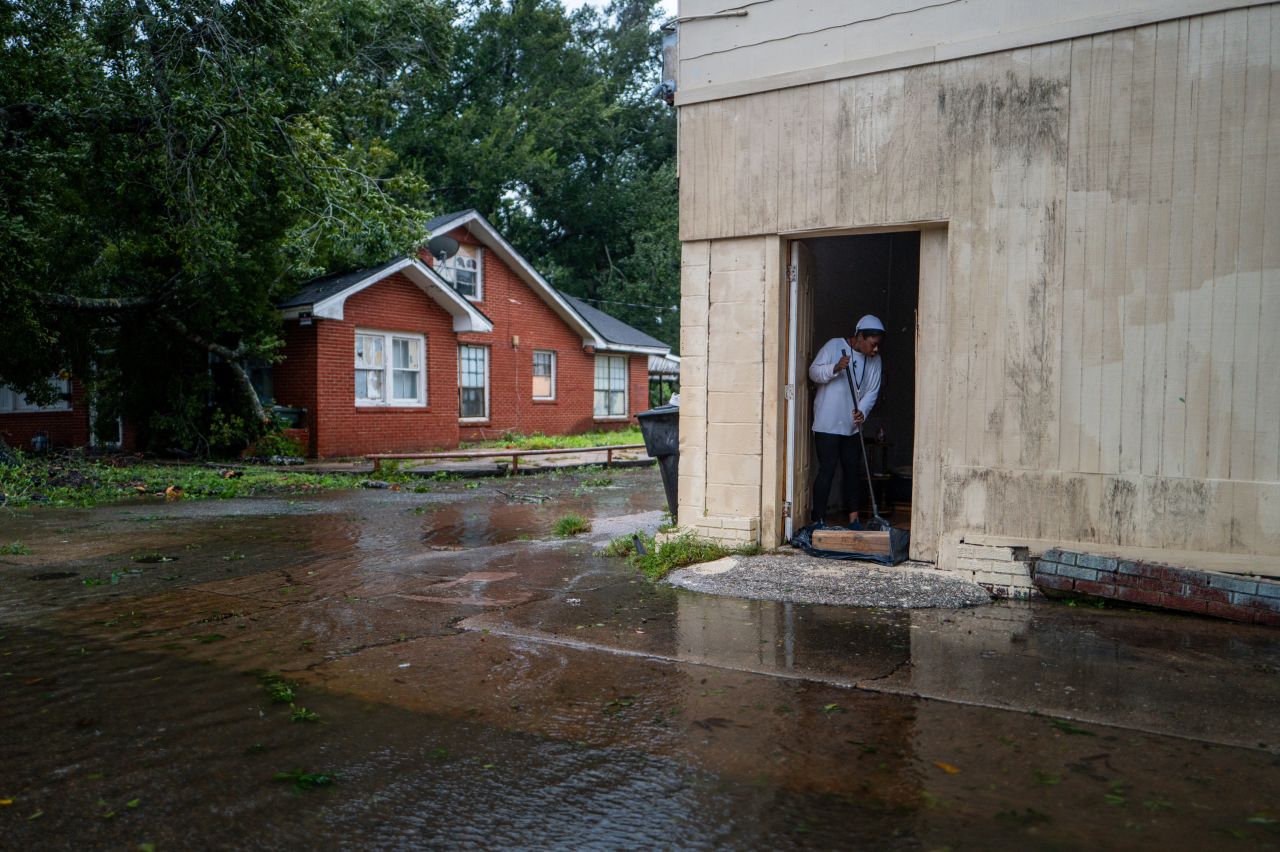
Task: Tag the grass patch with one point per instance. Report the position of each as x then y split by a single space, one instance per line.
536 441
15 548
621 547
72 481
305 780
571 524
658 560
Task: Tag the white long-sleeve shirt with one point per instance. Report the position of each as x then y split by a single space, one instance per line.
833 404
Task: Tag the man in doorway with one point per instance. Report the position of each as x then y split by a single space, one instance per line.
836 423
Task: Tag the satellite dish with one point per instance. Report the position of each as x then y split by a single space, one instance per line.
442 247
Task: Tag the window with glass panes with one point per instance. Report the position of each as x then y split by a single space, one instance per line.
473 382
611 386
544 374
396 380
463 270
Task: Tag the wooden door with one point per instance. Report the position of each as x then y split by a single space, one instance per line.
800 465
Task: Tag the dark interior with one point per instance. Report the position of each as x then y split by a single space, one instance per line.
875 274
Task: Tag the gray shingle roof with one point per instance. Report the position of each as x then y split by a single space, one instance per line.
432 224
611 329
320 289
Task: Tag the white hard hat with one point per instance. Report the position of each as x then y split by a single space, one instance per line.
869 323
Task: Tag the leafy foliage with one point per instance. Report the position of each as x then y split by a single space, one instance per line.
189 161
547 126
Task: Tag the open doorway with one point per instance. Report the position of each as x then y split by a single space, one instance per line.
836 280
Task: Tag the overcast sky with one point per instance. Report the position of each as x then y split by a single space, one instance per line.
668 6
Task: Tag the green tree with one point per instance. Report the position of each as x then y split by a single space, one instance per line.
171 167
546 125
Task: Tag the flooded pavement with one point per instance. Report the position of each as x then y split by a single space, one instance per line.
469 681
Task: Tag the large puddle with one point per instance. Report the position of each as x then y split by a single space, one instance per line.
476 683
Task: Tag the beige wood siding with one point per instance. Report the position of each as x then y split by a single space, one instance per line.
779 43
1109 332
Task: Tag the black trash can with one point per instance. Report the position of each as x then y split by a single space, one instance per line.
661 430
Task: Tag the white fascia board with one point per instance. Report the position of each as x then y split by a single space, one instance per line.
495 242
332 307
465 316
639 350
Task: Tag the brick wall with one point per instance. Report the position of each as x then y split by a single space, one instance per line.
516 311
322 357
65 428
318 371
1003 571
294 379
1247 599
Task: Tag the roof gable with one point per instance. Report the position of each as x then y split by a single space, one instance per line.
326 297
597 328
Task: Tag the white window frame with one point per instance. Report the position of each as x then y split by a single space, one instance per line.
388 369
12 402
485 351
552 353
449 268
626 389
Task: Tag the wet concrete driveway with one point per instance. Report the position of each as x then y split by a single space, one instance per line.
475 682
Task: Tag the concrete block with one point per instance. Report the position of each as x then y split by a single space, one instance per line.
692 464
694 310
736 286
733 407
1231 611
1233 584
1056 583
738 253
1097 563
1268 589
727 499
693 371
741 316
695 280
1259 602
741 376
751 524
729 343
693 339
733 469
982 551
692 400
734 438
1077 572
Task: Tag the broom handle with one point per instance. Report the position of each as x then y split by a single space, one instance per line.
871 486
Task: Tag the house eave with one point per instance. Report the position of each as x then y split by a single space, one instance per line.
466 317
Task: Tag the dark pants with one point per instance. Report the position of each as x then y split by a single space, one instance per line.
833 450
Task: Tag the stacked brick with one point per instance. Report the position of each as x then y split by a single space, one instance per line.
1003 571
1247 599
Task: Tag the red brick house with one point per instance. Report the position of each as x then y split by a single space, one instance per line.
68 422
416 354
64 423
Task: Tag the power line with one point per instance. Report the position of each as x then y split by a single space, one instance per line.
628 304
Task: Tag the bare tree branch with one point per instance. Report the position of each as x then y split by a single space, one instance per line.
234 359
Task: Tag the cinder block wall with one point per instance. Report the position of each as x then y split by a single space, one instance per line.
721 388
